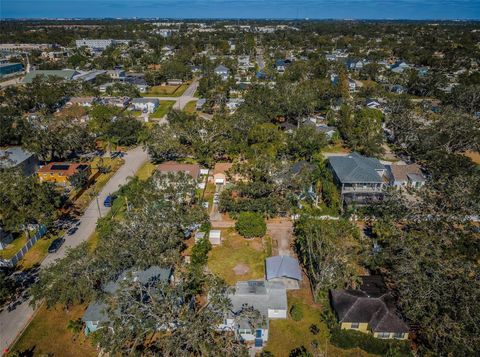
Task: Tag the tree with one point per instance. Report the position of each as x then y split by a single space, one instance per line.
305 142
79 179
328 251
24 200
251 224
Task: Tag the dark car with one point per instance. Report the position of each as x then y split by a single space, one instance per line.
55 245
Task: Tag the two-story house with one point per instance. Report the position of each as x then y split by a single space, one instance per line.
359 178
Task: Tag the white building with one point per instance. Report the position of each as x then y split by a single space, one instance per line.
145 104
99 43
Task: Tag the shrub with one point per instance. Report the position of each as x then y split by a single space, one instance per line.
348 339
296 312
314 330
200 252
250 224
300 352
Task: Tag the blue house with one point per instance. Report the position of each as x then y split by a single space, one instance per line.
96 317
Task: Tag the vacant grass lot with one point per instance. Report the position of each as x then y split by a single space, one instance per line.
240 254
166 91
163 109
47 335
11 249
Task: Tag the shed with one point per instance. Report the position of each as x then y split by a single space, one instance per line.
284 269
215 237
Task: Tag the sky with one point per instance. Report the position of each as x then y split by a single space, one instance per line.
271 9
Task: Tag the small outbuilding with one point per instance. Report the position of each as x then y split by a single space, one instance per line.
215 237
284 269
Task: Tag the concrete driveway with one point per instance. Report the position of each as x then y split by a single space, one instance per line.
13 322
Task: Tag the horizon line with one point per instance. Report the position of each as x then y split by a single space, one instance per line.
235 18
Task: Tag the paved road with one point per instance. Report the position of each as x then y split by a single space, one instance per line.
13 322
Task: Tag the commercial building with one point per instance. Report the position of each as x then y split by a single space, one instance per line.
7 69
101 44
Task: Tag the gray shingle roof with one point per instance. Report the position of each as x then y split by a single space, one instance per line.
261 295
13 156
355 168
143 276
282 266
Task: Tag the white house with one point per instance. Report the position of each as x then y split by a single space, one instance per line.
233 104
145 104
352 85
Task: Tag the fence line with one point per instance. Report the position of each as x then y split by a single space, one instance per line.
21 253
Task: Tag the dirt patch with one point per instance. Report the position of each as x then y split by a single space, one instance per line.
256 244
241 269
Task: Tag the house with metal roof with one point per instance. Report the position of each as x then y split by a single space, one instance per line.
16 157
96 317
284 269
268 298
406 176
360 179
370 309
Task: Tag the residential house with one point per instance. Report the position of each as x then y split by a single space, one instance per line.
220 172
233 104
192 170
352 85
399 67
82 101
284 269
14 157
360 178
61 172
406 176
244 62
398 89
268 298
222 71
117 74
369 309
329 131
372 104
280 65
200 103
120 102
149 105
95 316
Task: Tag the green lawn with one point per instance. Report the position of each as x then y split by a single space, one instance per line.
146 170
48 335
190 108
286 335
237 251
18 242
163 109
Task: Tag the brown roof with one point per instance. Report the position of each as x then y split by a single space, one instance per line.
171 166
401 172
222 167
65 168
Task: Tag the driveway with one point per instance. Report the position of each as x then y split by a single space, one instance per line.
13 322
281 231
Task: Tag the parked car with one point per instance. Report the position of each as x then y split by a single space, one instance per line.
55 245
108 201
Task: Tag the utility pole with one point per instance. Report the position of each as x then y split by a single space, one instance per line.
98 206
